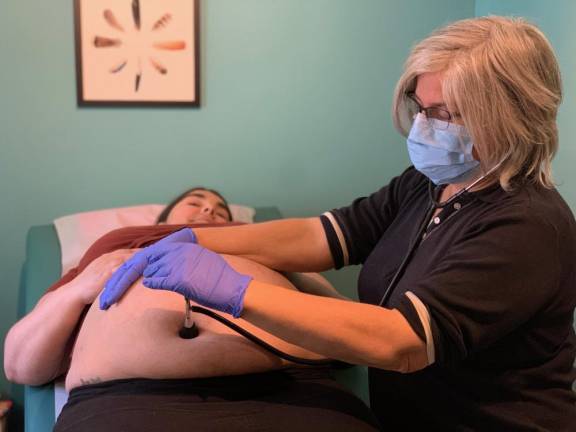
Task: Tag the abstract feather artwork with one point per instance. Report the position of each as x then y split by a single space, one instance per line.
137 52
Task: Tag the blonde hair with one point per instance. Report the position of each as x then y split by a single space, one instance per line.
501 76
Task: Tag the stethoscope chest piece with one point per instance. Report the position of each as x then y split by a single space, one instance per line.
189 330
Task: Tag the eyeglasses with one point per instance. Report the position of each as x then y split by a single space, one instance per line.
431 113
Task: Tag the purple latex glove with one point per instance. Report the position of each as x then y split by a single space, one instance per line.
198 274
132 269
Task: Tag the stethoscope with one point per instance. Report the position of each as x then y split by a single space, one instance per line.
420 234
190 330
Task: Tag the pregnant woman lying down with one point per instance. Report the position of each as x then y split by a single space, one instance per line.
128 369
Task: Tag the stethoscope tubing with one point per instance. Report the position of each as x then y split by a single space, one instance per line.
434 204
408 256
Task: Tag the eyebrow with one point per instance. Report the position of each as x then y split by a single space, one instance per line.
201 195
437 105
432 105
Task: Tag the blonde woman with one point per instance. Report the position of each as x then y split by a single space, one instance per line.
468 285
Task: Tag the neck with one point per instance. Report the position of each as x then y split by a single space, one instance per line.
450 190
474 185
453 188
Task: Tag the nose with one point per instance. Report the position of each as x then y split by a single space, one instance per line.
208 209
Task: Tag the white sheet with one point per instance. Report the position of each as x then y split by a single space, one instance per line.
60 397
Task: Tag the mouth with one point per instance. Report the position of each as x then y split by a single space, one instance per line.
200 220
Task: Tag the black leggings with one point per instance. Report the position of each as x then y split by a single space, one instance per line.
288 400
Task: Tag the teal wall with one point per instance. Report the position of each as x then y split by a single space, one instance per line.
556 18
295 113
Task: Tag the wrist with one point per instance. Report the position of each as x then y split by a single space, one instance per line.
237 304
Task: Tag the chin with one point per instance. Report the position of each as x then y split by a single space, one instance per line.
199 221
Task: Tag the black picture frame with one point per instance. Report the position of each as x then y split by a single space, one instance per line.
125 58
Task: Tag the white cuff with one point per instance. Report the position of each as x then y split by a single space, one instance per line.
340 235
424 316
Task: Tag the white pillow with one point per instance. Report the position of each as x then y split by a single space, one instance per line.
77 232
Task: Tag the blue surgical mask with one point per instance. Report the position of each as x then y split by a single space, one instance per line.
441 151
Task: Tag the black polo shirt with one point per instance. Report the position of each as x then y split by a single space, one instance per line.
491 289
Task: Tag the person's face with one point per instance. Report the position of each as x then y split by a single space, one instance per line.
199 206
429 94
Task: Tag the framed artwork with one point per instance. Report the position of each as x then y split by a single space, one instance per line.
137 52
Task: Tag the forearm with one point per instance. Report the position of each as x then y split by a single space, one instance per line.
315 284
348 331
35 347
287 245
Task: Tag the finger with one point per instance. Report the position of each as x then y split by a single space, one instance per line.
112 280
138 263
103 303
117 263
157 283
116 286
110 294
159 269
131 258
130 276
151 270
159 251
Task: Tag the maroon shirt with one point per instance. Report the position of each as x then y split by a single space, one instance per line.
125 238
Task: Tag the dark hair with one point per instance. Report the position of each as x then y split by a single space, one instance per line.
164 215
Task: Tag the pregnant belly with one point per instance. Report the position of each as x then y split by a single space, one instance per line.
138 337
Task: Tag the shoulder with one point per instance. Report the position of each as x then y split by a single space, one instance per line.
549 206
410 180
408 184
527 202
536 219
537 205
402 190
552 214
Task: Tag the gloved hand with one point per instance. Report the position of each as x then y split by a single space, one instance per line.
198 274
132 269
